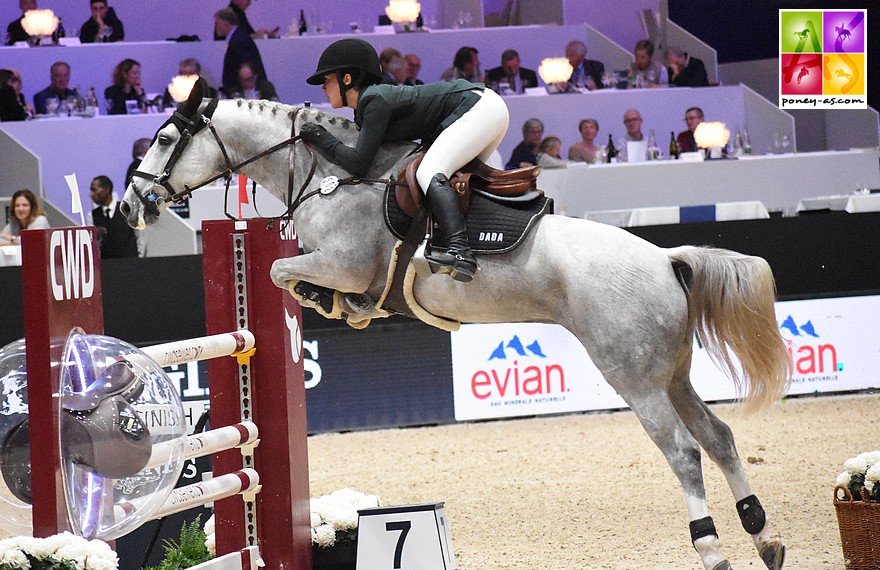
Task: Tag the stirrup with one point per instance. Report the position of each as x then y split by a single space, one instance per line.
452 263
359 303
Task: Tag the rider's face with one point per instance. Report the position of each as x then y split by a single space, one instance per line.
331 90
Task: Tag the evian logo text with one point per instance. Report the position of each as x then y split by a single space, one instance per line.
506 378
809 354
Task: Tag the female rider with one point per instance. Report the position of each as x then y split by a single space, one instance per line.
457 121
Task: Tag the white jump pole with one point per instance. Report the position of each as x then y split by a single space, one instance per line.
197 494
202 348
201 444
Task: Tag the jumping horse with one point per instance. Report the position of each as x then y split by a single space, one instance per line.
634 306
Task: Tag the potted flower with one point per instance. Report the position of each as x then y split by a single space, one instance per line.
334 528
64 551
857 501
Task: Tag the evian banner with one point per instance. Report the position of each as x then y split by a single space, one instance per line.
508 370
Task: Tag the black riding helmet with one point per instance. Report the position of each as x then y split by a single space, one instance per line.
347 56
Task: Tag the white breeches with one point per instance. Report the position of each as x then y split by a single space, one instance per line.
477 133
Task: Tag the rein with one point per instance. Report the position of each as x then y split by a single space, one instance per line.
153 201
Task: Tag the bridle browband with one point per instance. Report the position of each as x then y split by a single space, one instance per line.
188 128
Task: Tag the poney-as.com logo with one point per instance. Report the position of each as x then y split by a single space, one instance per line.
814 358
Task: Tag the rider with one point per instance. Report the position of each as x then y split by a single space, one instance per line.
457 121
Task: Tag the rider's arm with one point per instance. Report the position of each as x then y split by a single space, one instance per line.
358 159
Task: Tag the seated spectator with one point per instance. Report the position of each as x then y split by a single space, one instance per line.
252 86
189 66
239 7
685 139
548 154
386 55
644 71
240 48
524 154
14 31
27 214
103 26
466 65
59 87
138 151
394 72
587 73
517 78
12 103
685 70
413 66
632 121
586 150
116 237
126 87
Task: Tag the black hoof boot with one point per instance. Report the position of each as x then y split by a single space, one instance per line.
455 259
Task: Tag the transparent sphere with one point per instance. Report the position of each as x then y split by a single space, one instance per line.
122 436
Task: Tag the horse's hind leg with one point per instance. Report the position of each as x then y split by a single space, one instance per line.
661 421
716 438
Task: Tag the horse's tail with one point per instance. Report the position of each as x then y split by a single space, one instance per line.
731 305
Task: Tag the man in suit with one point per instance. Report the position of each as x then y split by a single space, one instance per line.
586 72
116 237
510 72
14 31
685 70
685 139
240 49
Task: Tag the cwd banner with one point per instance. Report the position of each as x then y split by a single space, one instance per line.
823 60
522 369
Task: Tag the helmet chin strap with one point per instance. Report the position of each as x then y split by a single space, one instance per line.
342 86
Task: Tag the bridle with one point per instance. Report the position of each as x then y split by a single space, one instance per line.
188 128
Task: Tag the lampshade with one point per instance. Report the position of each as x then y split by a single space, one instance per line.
711 135
403 11
555 70
39 23
181 86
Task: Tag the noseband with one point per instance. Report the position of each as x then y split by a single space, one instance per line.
188 128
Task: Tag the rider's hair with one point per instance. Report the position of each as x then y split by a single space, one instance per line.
359 78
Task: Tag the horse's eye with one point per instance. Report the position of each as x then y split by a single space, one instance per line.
164 140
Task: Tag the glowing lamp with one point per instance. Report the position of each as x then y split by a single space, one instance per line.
39 23
403 12
555 70
181 86
712 136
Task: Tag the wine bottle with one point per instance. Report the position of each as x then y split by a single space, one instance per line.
303 27
58 33
673 147
653 149
92 102
611 157
747 143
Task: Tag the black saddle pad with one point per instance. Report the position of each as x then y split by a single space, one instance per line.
493 226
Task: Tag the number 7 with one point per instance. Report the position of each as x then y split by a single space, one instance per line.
403 527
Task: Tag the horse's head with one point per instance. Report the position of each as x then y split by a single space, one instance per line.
177 157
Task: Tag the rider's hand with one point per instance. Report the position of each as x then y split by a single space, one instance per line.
312 133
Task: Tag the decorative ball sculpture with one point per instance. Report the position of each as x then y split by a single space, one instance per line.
122 437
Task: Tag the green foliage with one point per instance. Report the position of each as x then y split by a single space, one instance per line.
190 551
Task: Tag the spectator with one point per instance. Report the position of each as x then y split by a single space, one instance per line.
14 31
103 26
644 71
413 66
240 48
189 66
466 65
586 150
27 214
632 120
252 86
685 70
116 237
126 87
395 71
239 7
138 151
524 154
517 78
587 73
59 82
548 154
12 103
386 55
685 139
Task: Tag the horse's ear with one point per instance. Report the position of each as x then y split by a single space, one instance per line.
191 105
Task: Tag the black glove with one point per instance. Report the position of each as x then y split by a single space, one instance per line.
317 135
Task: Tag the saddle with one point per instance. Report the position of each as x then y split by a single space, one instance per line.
518 185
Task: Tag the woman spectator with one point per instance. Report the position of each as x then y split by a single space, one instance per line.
27 214
644 71
126 87
12 105
549 153
586 150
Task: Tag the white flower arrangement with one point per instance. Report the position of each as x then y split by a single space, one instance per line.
210 538
337 514
64 551
863 470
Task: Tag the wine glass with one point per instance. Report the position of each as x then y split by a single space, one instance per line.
52 104
607 80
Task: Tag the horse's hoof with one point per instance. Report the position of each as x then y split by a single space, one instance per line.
723 565
773 555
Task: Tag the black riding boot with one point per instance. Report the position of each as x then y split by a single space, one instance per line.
457 259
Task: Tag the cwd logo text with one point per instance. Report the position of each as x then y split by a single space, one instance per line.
814 358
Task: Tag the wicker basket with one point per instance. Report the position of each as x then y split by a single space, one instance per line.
859 523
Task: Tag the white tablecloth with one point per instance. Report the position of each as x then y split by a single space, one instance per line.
723 212
853 203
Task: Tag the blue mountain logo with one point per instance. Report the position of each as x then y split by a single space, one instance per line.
516 345
795 330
